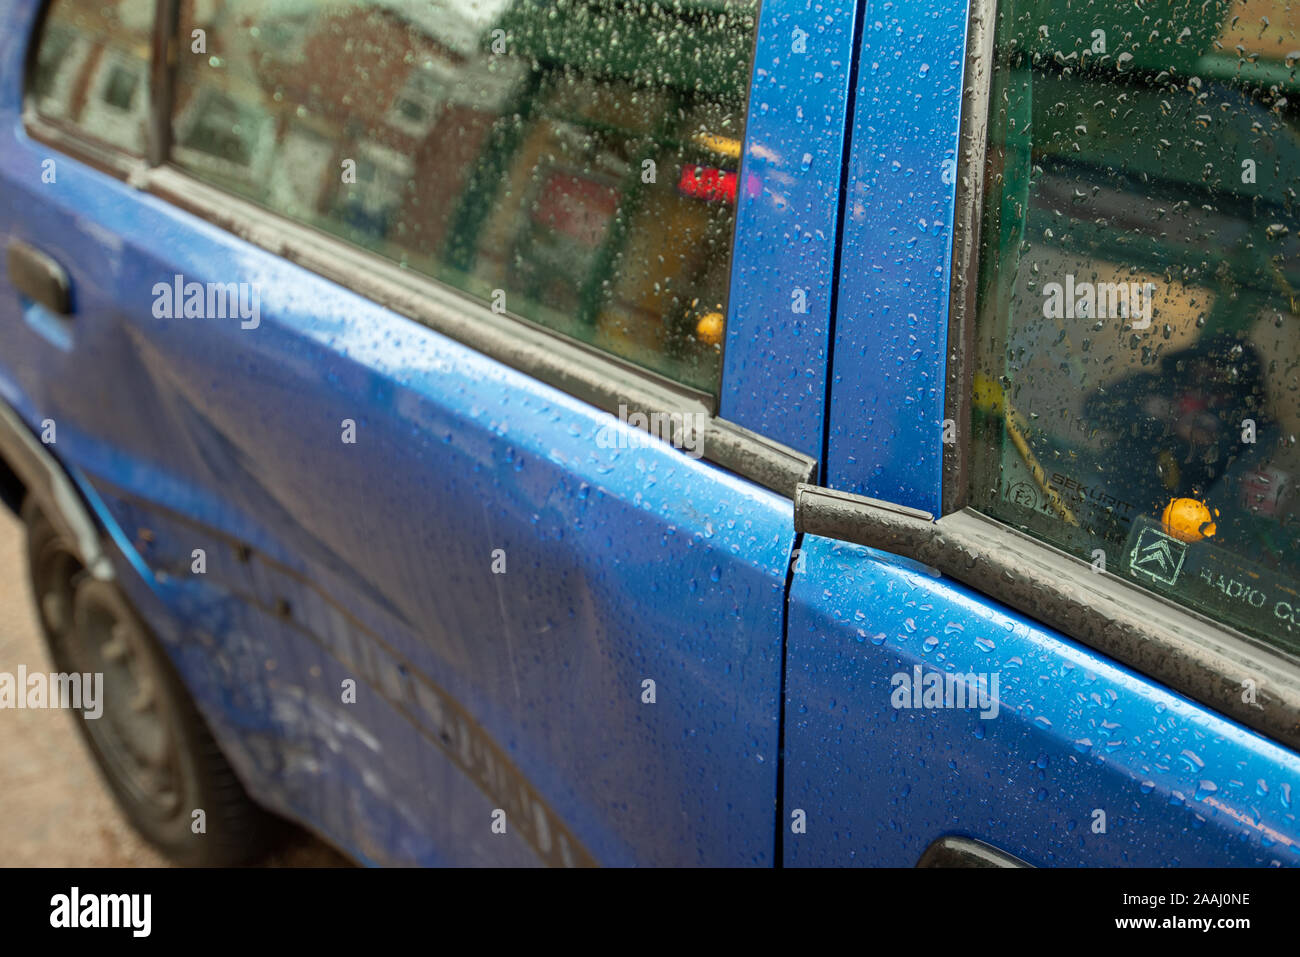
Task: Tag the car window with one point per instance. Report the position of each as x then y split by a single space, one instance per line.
573 163
1137 398
91 70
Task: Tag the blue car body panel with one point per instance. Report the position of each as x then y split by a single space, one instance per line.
328 562
1084 763
787 223
891 325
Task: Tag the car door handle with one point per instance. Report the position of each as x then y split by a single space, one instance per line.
956 851
39 278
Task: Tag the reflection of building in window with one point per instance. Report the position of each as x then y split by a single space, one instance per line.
419 103
285 35
117 104
301 172
368 206
225 133
63 56
606 196
521 168
92 70
119 90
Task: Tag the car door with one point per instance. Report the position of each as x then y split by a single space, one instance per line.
1043 608
392 367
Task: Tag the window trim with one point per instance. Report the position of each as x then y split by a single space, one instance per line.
162 75
599 378
1183 649
81 146
1156 637
977 82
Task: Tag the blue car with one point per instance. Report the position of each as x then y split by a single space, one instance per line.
702 432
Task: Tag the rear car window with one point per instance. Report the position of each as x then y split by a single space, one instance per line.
91 71
1137 398
573 163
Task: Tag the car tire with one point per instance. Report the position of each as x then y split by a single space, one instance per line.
151 745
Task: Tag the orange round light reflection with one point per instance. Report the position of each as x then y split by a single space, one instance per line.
1189 519
710 327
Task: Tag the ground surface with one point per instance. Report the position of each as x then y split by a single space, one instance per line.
54 810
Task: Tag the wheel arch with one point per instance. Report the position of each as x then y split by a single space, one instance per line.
28 467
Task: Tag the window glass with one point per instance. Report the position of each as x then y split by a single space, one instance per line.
92 69
572 162
1137 398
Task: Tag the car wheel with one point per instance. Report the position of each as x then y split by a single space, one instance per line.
151 745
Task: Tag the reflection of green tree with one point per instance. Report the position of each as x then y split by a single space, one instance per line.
684 45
